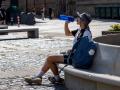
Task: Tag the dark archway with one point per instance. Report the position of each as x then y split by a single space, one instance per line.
1 2
14 2
62 6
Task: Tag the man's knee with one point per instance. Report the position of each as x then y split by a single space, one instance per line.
55 59
50 59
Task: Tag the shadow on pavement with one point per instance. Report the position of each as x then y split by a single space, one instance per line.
60 87
56 87
40 21
109 20
12 39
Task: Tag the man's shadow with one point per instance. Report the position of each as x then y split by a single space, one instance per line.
55 86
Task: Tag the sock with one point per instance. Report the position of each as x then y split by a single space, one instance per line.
57 77
40 74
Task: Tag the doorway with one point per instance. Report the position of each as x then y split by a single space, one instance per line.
14 2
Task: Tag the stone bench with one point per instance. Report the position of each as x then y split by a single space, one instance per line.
31 32
3 26
103 75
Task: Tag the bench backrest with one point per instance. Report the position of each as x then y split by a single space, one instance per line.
107 59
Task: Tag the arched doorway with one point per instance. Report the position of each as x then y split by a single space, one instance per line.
14 2
62 7
71 7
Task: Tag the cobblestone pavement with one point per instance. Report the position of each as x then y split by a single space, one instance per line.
20 58
17 83
24 57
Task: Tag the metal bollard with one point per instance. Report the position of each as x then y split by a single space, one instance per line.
18 21
11 20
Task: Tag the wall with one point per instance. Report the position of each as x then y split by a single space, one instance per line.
89 5
70 9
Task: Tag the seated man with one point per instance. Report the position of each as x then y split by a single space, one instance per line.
83 21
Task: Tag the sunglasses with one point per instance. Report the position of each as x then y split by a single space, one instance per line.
80 20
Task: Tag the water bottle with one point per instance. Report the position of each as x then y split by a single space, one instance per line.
67 18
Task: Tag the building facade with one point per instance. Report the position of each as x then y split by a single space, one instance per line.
101 8
37 5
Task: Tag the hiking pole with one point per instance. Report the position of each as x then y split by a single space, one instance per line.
67 62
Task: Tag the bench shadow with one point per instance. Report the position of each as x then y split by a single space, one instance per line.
40 22
55 86
12 39
60 87
108 20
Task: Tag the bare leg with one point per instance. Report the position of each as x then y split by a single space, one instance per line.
51 64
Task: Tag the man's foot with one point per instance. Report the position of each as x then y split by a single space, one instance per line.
54 81
33 80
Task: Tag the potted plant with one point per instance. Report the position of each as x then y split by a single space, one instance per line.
115 28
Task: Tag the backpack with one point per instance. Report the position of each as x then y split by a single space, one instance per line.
27 18
83 52
30 19
23 18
